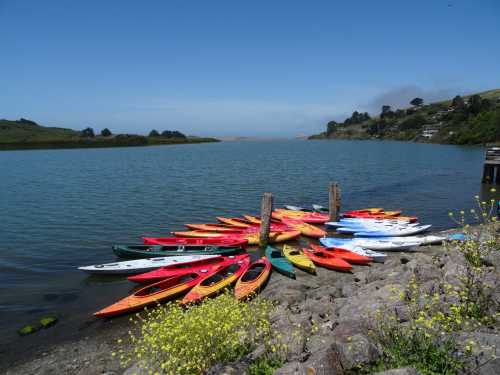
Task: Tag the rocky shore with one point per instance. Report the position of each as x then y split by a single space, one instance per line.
331 312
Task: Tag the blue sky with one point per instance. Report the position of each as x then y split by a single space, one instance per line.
237 67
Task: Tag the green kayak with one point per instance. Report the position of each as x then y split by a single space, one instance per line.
151 251
279 262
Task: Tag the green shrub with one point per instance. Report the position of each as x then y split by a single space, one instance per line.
175 340
264 366
427 340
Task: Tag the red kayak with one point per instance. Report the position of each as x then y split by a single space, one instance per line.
179 269
324 259
346 255
225 228
221 242
306 217
379 215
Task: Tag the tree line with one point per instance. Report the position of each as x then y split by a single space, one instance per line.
473 119
89 133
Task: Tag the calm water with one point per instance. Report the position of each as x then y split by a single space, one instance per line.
64 208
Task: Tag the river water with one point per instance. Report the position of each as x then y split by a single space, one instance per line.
63 208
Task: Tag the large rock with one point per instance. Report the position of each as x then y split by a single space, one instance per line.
370 298
325 361
291 368
295 330
484 351
354 351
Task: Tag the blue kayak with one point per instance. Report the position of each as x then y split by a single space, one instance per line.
279 262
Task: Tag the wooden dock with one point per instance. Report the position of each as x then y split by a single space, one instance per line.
491 168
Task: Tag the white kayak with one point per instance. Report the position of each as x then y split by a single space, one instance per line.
374 219
396 232
375 255
142 265
423 240
379 244
369 224
373 228
319 208
295 208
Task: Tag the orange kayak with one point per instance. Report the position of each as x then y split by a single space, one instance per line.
220 279
252 219
253 279
213 227
154 293
324 259
346 255
256 220
368 212
252 238
234 221
307 217
304 228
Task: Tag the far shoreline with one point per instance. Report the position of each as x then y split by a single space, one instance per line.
22 146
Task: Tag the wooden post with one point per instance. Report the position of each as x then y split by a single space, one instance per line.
265 218
486 173
334 201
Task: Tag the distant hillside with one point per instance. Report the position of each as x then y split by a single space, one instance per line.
471 119
29 131
27 134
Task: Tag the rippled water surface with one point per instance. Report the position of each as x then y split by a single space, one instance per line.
64 208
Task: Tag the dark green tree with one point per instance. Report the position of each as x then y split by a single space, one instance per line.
414 122
458 103
386 108
172 134
417 102
106 132
154 133
399 113
386 111
486 105
331 127
87 133
475 104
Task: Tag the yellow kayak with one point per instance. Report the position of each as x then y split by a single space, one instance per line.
372 210
274 237
299 259
391 213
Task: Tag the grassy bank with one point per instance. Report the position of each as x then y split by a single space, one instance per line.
127 141
25 134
